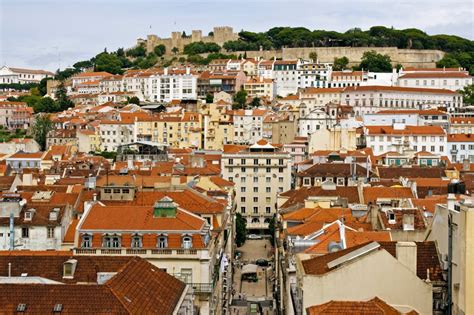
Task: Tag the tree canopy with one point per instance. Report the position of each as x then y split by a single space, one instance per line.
340 63
200 48
41 127
160 50
372 61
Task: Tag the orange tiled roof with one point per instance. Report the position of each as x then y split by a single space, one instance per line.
408 130
461 137
122 218
374 306
368 88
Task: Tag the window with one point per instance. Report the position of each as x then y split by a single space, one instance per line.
255 189
50 232
136 241
268 189
242 199
162 242
25 232
255 209
242 209
268 170
268 209
255 199
231 161
242 189
242 179
242 169
268 179
255 179
269 161
111 241
187 242
86 241
255 161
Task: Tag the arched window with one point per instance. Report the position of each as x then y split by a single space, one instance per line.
162 241
86 241
267 220
111 241
187 242
136 241
255 220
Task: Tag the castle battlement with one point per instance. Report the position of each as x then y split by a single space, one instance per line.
221 35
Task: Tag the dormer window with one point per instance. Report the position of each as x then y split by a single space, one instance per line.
162 241
187 242
29 215
69 267
136 241
391 217
86 241
111 241
53 216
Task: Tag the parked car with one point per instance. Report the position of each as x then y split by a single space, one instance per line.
254 237
262 262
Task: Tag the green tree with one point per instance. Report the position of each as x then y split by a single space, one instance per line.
82 65
209 98
41 127
468 94
175 50
240 230
271 230
200 48
372 61
62 99
313 56
160 50
43 86
137 51
240 98
62 75
255 102
108 62
340 63
134 100
448 61
46 105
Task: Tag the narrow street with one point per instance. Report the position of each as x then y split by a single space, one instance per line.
255 295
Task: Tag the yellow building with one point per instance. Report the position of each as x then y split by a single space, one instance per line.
260 87
178 130
218 126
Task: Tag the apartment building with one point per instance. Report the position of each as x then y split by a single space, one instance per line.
401 137
248 125
265 69
314 74
223 81
410 117
438 78
218 125
286 76
10 75
179 130
260 172
260 87
370 99
341 79
461 147
88 77
172 84
15 115
461 124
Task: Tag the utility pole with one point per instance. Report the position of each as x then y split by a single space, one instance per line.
450 264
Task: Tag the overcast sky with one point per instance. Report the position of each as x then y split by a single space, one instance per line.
47 34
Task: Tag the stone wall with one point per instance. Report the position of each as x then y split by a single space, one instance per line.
221 35
406 57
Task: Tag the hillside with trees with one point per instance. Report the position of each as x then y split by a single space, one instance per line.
460 51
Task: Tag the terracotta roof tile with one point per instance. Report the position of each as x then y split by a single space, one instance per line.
374 306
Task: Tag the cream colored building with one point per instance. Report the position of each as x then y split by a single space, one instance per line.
335 138
260 172
362 274
463 243
88 140
178 130
218 126
260 87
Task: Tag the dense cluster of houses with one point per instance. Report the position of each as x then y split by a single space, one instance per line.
368 177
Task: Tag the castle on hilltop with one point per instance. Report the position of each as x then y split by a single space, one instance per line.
220 35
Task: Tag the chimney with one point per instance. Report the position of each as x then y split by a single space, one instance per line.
406 254
166 71
466 165
450 202
188 70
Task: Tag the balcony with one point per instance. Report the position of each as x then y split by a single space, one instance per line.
145 252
